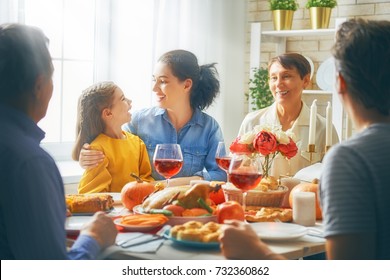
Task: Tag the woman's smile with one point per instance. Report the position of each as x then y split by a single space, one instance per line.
281 92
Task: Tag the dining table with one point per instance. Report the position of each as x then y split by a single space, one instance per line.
165 248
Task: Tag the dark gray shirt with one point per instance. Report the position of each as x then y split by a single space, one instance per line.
355 187
32 202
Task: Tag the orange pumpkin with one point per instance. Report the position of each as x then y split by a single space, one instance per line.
133 193
308 187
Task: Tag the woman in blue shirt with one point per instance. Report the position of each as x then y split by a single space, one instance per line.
183 89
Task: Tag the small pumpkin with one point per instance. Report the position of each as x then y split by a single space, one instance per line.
307 187
133 193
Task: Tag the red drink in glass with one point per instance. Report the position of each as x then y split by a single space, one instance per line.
168 167
223 162
245 181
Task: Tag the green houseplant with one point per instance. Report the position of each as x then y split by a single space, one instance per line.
283 5
283 13
321 3
320 11
259 91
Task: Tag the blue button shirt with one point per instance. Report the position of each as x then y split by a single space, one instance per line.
198 140
32 201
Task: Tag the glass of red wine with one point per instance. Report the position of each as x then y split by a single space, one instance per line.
168 160
222 157
245 173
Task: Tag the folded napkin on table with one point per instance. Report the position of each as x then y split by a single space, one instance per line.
309 173
149 247
132 238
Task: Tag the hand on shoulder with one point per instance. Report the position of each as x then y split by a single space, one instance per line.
90 158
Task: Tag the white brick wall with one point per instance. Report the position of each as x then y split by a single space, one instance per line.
317 48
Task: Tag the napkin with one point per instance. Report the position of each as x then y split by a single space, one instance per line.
307 174
149 247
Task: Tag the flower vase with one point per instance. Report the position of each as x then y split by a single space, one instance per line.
266 164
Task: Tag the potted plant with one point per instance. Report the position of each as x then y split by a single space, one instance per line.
283 12
320 11
259 93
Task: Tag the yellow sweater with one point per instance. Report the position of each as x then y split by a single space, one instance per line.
122 157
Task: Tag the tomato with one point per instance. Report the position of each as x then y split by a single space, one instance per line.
230 210
217 195
175 209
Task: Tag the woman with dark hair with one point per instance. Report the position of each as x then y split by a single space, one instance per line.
289 75
183 89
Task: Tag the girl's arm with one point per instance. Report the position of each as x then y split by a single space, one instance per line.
96 179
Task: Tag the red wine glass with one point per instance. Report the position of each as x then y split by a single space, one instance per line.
245 173
222 157
168 160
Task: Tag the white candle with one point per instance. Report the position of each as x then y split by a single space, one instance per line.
328 139
312 125
304 208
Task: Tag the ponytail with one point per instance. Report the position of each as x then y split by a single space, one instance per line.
207 87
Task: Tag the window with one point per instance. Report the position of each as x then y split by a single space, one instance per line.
120 40
89 44
72 46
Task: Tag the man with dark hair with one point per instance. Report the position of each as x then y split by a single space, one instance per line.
32 201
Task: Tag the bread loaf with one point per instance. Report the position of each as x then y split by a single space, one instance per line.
89 203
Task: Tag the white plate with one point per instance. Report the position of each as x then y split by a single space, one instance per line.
326 75
311 66
135 228
279 231
180 220
73 224
108 212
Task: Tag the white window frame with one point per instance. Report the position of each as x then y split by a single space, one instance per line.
62 150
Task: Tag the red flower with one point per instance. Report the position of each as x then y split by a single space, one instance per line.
237 147
289 150
265 143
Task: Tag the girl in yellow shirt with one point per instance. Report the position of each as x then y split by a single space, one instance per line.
102 110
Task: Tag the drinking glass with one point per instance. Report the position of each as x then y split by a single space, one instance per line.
168 160
223 158
245 173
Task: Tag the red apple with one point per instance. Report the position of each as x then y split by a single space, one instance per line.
230 210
